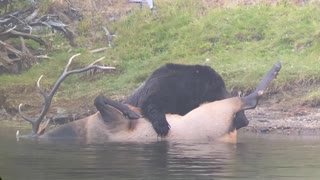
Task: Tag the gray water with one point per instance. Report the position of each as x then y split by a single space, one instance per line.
253 157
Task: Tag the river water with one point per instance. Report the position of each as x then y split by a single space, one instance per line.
253 157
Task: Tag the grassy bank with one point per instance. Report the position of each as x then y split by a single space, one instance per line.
241 43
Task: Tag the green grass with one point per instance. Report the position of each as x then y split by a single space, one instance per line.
240 43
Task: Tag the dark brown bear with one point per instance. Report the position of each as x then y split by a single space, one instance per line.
178 89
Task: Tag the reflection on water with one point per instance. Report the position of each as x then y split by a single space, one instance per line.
254 157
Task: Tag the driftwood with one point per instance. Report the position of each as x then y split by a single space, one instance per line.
25 24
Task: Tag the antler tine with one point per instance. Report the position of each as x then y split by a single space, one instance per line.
38 85
48 97
22 115
70 61
98 60
100 67
91 66
66 73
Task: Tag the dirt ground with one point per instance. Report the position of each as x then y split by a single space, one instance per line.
294 121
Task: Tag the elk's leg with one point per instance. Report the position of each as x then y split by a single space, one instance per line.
102 104
251 101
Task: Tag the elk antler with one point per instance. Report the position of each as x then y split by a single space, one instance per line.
48 97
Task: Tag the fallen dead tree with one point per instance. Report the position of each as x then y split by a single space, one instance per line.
16 56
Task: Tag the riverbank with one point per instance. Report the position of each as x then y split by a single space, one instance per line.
304 121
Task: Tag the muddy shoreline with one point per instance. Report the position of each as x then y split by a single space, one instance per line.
304 121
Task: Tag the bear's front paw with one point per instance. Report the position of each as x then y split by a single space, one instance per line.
162 128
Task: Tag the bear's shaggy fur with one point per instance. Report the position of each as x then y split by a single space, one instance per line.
177 89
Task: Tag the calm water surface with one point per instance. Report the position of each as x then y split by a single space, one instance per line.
254 157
